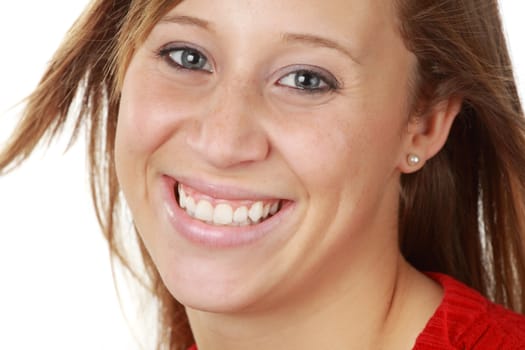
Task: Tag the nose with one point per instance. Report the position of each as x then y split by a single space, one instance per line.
228 133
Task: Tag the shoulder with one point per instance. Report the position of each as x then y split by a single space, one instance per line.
467 320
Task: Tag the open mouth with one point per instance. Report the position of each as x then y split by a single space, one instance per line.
223 212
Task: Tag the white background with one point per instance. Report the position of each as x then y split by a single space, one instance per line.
56 288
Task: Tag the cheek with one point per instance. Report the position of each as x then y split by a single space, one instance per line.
143 115
142 128
341 145
152 107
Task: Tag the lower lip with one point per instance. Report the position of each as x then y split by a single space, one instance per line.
216 236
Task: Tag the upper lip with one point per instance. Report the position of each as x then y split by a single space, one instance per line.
221 191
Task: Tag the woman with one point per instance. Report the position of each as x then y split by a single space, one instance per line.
296 171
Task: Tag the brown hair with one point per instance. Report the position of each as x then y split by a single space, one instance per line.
462 214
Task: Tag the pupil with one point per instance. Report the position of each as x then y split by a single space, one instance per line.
307 80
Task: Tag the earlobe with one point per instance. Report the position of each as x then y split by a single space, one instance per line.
427 134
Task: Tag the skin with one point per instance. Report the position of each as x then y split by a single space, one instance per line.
330 274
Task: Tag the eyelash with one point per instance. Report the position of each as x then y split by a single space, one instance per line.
165 52
331 84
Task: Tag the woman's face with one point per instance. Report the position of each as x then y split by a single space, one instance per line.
283 125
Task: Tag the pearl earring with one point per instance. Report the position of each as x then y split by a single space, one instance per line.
413 159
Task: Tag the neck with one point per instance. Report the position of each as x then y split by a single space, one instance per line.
384 304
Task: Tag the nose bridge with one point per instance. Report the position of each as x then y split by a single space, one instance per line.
230 103
228 132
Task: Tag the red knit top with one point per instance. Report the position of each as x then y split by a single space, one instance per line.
465 320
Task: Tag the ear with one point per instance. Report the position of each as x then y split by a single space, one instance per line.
427 133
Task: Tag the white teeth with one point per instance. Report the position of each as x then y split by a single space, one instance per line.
204 211
256 211
190 206
223 214
274 208
182 197
266 210
241 215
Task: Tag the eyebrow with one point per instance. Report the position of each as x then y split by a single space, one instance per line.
187 20
315 40
309 39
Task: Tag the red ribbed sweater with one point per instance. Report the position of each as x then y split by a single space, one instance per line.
465 320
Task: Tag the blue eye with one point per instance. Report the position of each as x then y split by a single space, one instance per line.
309 81
186 58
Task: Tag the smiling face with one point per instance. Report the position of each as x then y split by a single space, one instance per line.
259 146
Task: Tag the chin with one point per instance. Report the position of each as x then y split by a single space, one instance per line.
212 294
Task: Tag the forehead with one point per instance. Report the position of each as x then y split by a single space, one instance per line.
313 12
356 23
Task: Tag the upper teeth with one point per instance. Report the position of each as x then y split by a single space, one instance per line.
224 213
